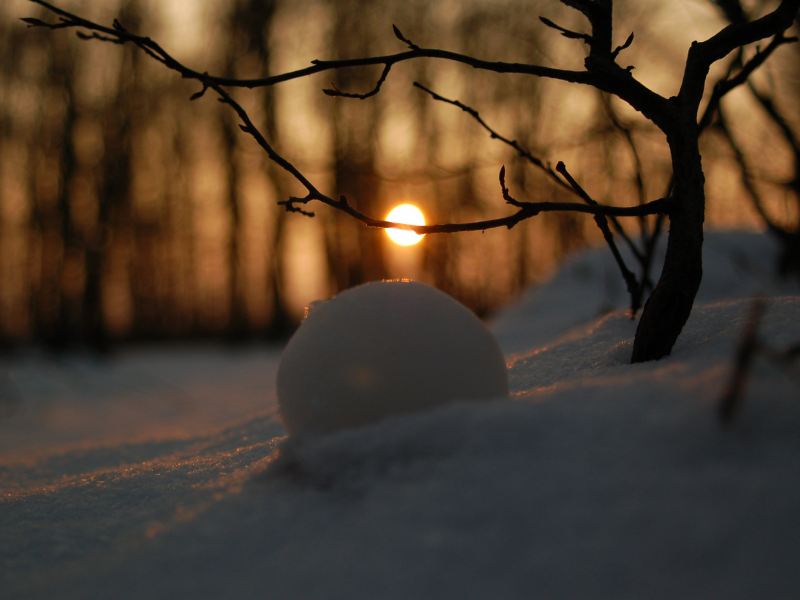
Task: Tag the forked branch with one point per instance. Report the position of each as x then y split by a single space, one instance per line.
610 78
534 160
295 204
746 69
670 305
703 54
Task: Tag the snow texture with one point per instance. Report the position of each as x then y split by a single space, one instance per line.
736 265
383 349
596 479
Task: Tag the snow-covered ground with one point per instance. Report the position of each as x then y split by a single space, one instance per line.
167 474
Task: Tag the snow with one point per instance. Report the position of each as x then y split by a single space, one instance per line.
596 479
382 349
737 265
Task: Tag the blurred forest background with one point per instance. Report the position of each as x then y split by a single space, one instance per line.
129 213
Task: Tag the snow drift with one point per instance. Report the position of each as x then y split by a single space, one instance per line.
597 479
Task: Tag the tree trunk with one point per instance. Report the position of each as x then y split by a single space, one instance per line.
668 308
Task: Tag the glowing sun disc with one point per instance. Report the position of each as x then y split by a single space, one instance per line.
405 213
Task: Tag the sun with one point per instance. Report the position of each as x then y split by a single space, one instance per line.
405 213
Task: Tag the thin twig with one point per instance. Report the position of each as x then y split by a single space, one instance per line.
732 82
526 209
649 238
567 33
624 46
630 279
399 35
611 78
626 132
602 223
335 93
534 160
736 35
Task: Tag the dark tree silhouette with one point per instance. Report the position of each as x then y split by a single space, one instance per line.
668 308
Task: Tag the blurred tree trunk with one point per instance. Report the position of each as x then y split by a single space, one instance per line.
114 189
53 152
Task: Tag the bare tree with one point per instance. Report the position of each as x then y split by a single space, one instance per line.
668 308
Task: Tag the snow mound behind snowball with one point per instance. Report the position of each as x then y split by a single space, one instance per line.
736 265
382 349
585 377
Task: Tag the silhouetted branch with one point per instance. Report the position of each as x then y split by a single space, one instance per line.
527 209
703 54
670 305
338 94
599 14
626 132
630 279
97 36
649 238
403 38
610 78
602 223
32 22
747 69
537 162
624 46
506 194
573 35
635 304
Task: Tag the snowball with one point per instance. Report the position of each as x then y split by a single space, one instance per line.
382 349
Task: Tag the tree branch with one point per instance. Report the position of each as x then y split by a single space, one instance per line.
537 162
624 46
526 209
630 279
607 77
335 93
747 69
399 35
703 54
602 223
626 132
599 14
573 35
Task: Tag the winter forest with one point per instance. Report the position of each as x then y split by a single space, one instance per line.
227 370
129 213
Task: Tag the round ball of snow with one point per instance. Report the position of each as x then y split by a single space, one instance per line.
382 349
